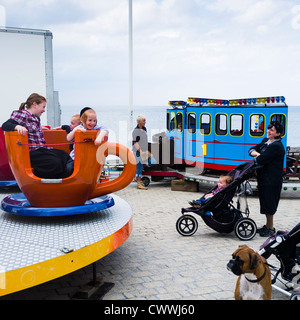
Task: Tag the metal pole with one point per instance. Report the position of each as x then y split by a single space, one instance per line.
130 69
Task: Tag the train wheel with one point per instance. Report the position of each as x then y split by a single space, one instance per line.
186 225
245 229
146 181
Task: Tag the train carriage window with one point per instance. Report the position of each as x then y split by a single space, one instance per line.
205 123
236 124
221 124
172 121
282 119
191 123
257 125
179 118
168 121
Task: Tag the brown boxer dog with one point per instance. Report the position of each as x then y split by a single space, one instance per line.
254 281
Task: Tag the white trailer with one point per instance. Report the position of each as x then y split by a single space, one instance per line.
26 66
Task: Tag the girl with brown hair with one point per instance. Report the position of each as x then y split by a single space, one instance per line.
46 162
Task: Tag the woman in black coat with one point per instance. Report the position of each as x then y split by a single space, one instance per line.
270 154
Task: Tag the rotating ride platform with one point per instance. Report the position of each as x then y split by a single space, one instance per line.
37 249
57 226
8 183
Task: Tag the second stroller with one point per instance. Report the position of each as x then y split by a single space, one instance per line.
285 246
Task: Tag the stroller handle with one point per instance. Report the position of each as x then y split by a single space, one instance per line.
273 244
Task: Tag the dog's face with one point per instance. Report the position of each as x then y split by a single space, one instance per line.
244 260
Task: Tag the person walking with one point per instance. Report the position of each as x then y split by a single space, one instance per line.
140 150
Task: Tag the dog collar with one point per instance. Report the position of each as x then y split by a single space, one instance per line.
259 279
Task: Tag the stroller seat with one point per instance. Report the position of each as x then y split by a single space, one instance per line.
219 213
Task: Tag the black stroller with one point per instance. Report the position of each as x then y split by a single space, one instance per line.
285 246
219 213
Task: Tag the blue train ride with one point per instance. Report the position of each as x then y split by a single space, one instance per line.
217 133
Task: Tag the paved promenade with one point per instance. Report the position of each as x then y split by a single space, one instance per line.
156 263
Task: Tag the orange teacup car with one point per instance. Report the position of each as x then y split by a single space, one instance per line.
82 185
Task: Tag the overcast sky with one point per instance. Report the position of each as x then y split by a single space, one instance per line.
181 48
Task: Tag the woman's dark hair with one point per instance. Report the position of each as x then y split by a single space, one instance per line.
278 127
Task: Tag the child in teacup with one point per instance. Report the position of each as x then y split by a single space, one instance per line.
88 118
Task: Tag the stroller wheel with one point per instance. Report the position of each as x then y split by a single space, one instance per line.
245 229
186 225
295 296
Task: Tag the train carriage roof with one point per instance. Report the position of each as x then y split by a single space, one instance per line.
245 102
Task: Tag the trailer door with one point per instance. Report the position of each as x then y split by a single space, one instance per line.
221 139
199 146
179 135
229 138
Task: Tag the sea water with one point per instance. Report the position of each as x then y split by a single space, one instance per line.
120 124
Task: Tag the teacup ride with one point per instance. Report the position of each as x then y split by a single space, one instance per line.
82 192
49 236
7 178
